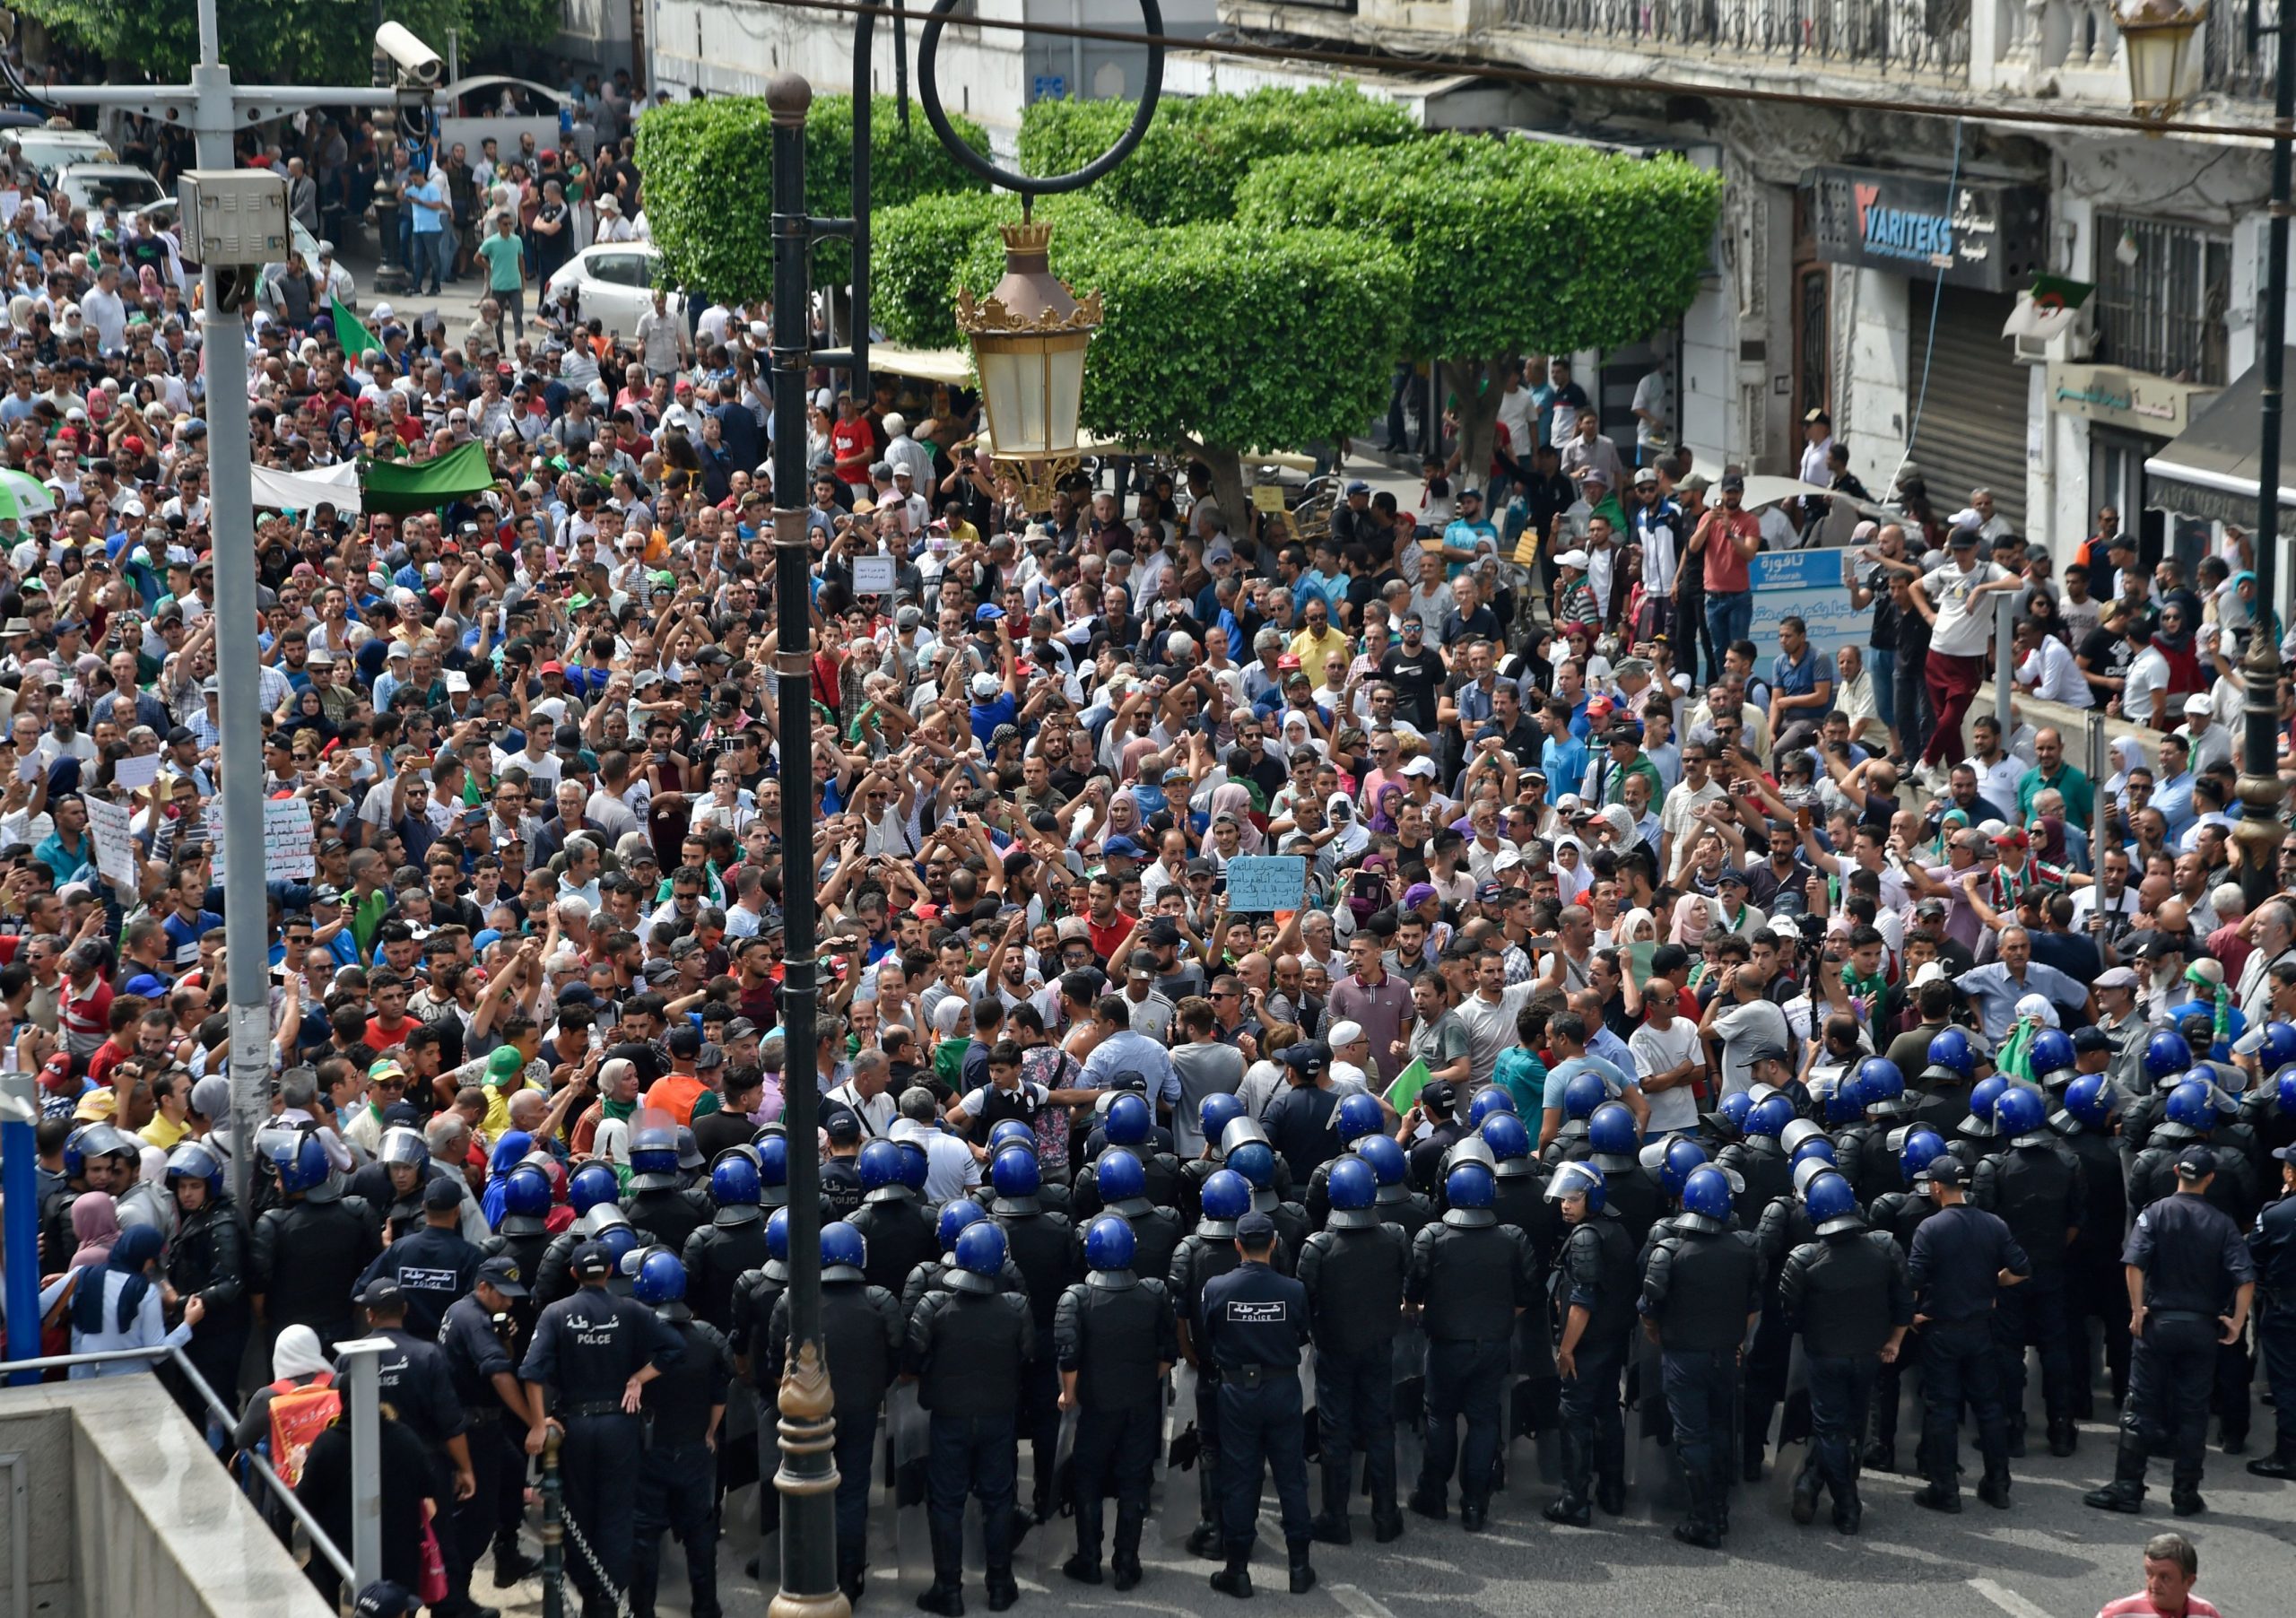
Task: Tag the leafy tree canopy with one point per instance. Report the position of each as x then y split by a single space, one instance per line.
306 41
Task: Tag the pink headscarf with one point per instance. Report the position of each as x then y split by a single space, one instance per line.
95 1221
1229 797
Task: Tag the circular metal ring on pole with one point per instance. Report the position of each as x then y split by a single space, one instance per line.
928 95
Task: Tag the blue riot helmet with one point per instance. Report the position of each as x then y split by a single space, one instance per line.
1239 1131
879 1170
1950 1057
1128 1122
1817 1149
1769 1116
2279 1048
1110 1243
1490 1099
1734 1109
1011 1131
1256 1161
660 1279
297 1156
954 1217
1509 1142
979 1256
2052 1052
1388 1166
1579 1179
1016 1177
654 1159
1352 1188
606 1216
1469 1191
2191 1111
1881 1085
1920 1149
1979 1125
1706 1199
593 1183
1123 1182
777 1235
1227 1197
1218 1111
1844 1102
2020 1117
1799 1133
2166 1055
197 1159
1613 1134
1583 1094
773 1168
2089 1101
525 1195
1358 1115
622 1240
736 1188
914 1163
845 1252
1831 1204
1683 1157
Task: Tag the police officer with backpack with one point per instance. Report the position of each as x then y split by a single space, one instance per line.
1115 1339
2038 1187
1702 1294
1596 1283
732 1244
677 1485
1847 1294
1354 1270
306 1253
1469 1277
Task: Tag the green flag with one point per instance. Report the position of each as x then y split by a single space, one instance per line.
406 486
349 331
1408 1083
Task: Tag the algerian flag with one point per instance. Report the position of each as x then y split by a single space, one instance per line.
2049 308
1408 1083
350 331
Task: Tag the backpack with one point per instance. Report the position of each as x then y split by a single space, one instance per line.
298 1414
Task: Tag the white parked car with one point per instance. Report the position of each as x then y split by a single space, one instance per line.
50 148
96 186
612 283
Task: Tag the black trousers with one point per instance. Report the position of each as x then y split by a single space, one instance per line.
1465 1379
856 1442
678 1490
1262 1427
1701 1385
1039 1421
598 1466
2099 1292
1355 1413
2170 1376
1207 1432
479 1521
976 1456
2277 1337
1768 1357
1959 1362
1115 1454
1841 1390
1594 1433
2033 1315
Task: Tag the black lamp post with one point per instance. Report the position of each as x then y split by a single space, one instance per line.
2163 70
1031 351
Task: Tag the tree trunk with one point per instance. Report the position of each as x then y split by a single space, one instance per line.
1227 486
1477 384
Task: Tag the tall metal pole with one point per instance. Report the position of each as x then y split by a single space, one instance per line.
808 1477
358 1359
2259 831
246 921
19 1190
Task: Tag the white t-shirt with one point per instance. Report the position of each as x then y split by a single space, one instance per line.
1657 1052
1959 633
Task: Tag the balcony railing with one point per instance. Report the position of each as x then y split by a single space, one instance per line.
2227 64
1926 37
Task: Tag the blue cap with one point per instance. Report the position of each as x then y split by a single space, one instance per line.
1255 1228
987 612
1121 846
148 985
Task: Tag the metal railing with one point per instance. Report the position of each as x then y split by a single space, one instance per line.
1902 36
322 1543
2228 62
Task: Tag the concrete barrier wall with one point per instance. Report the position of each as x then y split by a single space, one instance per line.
131 1514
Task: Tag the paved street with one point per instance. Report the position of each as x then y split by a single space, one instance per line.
2047 1557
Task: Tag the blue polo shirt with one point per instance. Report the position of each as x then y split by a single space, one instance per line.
1791 679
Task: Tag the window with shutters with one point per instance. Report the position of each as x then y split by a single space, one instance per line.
2161 292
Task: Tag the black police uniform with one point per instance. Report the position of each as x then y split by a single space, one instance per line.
1958 1255
1255 1323
2193 1261
586 1350
1203 1256
2273 1242
415 1380
1424 1159
1897 1215
1596 1275
1409 1211
1162 1181
1519 1199
432 1267
1469 1276
861 1339
967 1351
716 1256
1862 1154
2236 1190
899 1232
2093 1288
303 1258
1354 1282
677 1483
1784 1225
208 1257
477 1346
1044 1247
1698 1289
841 1185
1845 1293
1115 1330
666 1215
2040 1192
756 1293
1766 1171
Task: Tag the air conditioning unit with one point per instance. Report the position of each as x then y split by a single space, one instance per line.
2077 344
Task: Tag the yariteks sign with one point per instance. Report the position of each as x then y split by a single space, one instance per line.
1978 234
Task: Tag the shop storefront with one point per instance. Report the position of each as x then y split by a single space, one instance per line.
2131 416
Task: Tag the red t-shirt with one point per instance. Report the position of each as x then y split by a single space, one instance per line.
852 439
1108 940
1726 570
380 1037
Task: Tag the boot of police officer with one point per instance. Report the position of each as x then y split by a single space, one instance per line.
592 1357
1255 1323
732 1244
2275 1244
2191 1281
1847 1292
2040 1191
1469 1277
861 1338
1207 1253
475 1337
1114 1338
1043 1246
1702 1294
415 1380
677 1485
1962 1257
1598 1281
969 1347
1353 1271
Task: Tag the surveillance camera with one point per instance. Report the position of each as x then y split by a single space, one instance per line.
416 61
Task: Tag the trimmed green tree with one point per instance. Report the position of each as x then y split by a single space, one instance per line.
1511 247
308 41
1217 340
709 199
1198 149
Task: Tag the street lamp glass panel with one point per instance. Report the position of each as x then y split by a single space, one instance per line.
1029 338
2163 49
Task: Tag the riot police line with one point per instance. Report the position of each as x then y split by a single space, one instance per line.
1768 1279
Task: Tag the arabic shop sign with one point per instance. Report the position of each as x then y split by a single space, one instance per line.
2133 399
1976 234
